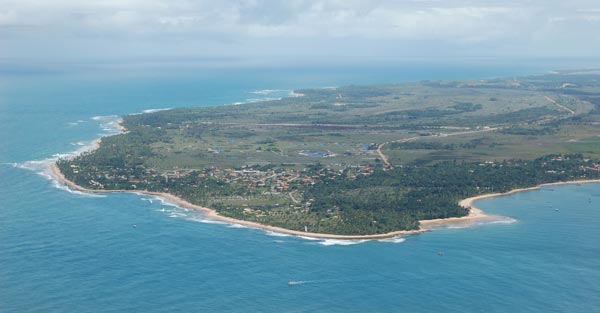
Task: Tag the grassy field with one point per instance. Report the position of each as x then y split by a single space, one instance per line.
344 122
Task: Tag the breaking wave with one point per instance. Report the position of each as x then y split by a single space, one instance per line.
393 240
110 125
276 234
341 242
266 91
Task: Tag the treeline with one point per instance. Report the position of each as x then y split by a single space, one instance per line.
429 192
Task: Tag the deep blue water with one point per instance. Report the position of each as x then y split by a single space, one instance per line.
70 252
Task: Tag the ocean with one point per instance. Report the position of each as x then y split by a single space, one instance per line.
65 251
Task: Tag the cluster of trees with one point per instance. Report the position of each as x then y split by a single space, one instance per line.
381 202
429 192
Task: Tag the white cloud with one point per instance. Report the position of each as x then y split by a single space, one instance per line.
299 27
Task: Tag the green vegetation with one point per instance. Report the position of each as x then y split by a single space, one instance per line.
358 159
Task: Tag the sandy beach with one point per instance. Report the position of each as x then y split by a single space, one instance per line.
475 215
212 214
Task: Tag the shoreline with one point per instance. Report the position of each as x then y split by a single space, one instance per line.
475 215
469 202
212 214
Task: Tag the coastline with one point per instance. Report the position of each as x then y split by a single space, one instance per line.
212 214
469 202
475 215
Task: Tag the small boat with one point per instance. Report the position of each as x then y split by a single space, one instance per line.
293 282
441 253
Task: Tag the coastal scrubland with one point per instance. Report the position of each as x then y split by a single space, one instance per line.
358 159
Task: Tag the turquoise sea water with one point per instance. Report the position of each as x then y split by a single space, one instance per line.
62 251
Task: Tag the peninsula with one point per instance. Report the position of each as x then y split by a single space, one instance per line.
357 161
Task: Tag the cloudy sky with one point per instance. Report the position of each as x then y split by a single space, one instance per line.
319 29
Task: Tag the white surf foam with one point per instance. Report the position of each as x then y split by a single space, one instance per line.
341 242
266 91
177 214
156 110
42 167
201 219
276 234
460 226
147 199
237 226
393 240
294 94
505 220
110 124
151 111
158 199
167 203
61 186
309 238
253 100
496 220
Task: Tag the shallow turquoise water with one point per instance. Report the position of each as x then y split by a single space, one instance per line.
69 252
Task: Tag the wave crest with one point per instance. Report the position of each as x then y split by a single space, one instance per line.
341 242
